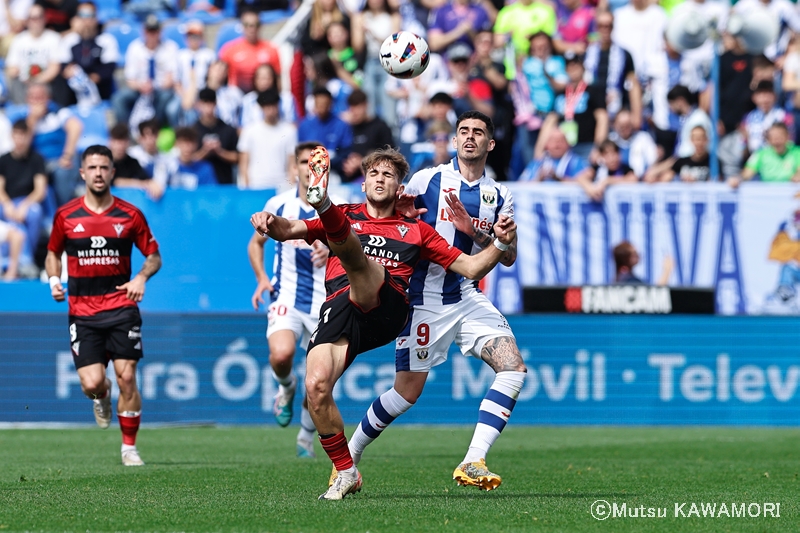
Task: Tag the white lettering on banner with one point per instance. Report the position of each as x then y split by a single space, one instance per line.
699 383
225 388
626 299
181 383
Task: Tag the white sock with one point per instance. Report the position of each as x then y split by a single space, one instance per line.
128 447
285 383
380 414
307 428
494 413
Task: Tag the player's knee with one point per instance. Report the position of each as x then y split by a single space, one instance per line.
281 357
126 380
95 385
317 386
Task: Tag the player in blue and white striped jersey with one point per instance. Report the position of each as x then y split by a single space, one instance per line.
297 290
462 203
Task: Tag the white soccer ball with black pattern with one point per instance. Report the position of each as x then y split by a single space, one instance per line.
405 55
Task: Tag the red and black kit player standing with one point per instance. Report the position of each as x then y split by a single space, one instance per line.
98 232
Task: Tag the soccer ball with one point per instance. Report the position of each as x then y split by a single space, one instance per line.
405 55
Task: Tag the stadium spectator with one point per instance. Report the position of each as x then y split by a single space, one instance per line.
55 138
543 75
457 21
13 15
369 134
313 39
146 151
245 53
610 67
786 14
790 82
104 319
735 101
369 28
486 70
778 161
179 169
689 116
468 94
440 138
368 285
637 148
691 169
296 293
321 73
556 162
607 171
229 97
575 23
518 21
128 173
449 313
32 56
15 238
87 56
639 28
151 73
334 133
216 140
23 189
264 79
6 143
193 64
347 64
626 257
765 114
580 112
266 148
58 13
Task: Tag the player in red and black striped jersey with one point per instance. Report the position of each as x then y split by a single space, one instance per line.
374 249
98 231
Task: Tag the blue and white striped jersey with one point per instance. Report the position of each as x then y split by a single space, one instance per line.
296 281
484 199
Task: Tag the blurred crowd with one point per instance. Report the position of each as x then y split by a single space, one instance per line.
584 93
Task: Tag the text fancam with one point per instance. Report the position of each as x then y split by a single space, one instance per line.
602 510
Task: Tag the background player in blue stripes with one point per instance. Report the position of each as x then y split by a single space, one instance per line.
297 291
462 203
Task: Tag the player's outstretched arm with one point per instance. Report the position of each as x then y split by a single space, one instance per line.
463 223
255 252
478 265
135 287
278 228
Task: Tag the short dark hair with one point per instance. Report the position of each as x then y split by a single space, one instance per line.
765 86
250 11
307 145
679 91
88 3
441 98
479 116
186 134
779 126
98 149
268 97
207 94
151 124
120 132
322 91
622 254
386 155
21 125
609 144
357 97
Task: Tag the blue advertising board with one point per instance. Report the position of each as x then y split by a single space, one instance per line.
628 370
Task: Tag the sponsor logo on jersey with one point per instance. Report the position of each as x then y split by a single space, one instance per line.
489 197
479 223
422 353
447 190
401 341
403 230
356 226
119 229
78 228
76 348
98 242
376 240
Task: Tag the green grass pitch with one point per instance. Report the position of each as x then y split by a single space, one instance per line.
248 479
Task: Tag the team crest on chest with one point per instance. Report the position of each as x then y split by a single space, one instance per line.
489 197
403 229
119 228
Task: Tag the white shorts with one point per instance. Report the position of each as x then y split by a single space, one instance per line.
281 316
431 329
5 228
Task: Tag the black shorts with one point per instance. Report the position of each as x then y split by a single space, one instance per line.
108 336
339 317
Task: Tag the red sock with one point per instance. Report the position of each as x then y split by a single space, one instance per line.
337 450
335 224
129 426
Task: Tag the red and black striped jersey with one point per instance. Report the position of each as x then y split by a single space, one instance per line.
98 247
398 243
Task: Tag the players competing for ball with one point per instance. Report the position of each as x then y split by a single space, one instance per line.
461 202
98 232
297 291
374 250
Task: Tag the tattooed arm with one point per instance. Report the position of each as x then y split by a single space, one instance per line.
463 223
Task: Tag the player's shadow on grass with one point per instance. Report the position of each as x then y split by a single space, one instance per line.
507 496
